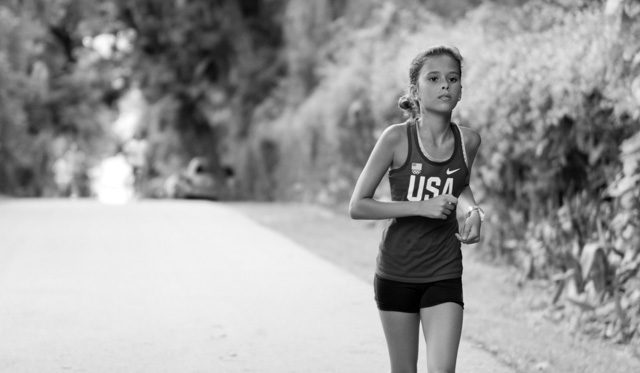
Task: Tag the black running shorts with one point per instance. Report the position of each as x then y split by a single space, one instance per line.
408 297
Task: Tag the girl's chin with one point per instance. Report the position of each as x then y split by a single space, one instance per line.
442 109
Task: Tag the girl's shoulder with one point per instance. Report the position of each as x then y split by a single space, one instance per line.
471 137
395 133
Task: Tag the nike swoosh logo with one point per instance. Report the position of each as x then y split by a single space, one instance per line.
449 172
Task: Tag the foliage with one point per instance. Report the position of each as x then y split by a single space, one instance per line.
558 130
286 122
203 66
52 93
16 87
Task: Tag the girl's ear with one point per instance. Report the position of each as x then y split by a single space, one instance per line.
413 90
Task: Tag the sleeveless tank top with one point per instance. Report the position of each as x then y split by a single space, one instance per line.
418 249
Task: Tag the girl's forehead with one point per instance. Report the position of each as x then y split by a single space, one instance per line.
440 63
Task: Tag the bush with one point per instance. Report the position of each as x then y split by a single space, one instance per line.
550 167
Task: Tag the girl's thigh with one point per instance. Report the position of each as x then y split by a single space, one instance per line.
442 326
402 332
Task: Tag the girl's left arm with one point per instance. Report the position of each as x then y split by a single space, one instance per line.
470 227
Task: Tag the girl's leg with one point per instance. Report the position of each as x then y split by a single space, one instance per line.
402 332
442 326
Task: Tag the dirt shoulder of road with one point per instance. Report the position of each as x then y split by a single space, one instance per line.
507 319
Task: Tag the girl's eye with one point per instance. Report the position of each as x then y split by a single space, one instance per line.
454 80
433 79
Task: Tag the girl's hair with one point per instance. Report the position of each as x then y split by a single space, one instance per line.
407 102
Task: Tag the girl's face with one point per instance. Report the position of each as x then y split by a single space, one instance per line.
439 88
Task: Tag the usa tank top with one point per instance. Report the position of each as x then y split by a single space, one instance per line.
415 248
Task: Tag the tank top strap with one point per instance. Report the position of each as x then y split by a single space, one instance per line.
411 139
412 133
460 138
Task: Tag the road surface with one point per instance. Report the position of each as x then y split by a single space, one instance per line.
177 287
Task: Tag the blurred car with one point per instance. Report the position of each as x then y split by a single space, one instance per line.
197 181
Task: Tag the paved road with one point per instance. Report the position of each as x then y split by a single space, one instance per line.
177 286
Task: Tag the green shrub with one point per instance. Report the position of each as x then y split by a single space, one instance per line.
555 110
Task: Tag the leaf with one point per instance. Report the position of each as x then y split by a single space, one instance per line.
563 276
594 265
607 310
596 153
583 304
632 144
635 89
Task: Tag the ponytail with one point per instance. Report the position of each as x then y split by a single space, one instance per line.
409 105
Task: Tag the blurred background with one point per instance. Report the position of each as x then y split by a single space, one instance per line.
282 100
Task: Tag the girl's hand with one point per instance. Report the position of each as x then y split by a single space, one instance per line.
439 207
470 232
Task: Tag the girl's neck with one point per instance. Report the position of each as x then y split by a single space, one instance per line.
435 126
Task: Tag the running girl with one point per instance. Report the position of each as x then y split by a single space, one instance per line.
428 159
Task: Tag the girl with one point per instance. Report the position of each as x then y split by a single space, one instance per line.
428 159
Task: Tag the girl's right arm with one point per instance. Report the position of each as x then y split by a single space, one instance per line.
362 204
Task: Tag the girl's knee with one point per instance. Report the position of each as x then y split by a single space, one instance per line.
404 369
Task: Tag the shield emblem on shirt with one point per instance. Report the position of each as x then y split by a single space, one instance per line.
416 168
